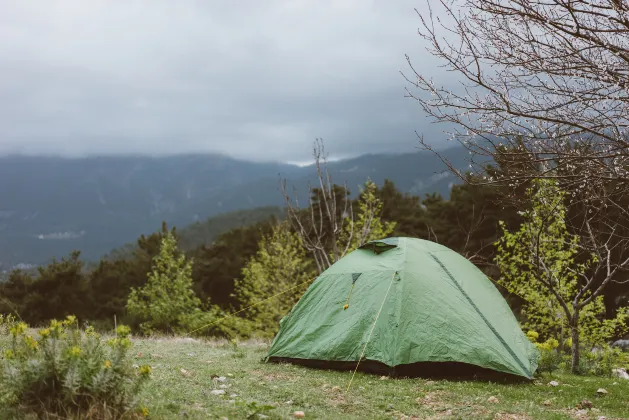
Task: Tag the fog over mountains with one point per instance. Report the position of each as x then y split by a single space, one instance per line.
50 206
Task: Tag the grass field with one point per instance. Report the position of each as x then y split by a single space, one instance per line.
187 381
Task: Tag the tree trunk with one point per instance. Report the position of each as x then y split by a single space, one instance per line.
574 329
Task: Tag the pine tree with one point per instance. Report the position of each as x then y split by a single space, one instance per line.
368 224
167 297
281 265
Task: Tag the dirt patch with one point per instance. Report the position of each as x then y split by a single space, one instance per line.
433 400
509 416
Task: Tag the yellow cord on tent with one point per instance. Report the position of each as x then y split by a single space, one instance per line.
348 295
248 307
370 332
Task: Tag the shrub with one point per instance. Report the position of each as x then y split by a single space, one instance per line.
603 361
6 323
532 335
550 357
68 372
214 322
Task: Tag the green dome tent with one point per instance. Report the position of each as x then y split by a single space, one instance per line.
414 303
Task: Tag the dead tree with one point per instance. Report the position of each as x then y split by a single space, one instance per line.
322 222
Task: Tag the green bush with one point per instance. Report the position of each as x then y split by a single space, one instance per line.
214 322
69 372
550 357
603 361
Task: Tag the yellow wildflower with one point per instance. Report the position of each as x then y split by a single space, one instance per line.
75 351
30 342
56 329
145 370
91 332
18 329
44 333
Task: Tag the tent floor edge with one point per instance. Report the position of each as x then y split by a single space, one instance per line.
428 370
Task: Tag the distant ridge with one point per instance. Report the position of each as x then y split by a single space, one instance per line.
50 206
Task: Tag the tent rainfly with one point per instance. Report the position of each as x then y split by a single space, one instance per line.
409 307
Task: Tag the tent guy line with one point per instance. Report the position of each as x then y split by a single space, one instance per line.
370 332
248 307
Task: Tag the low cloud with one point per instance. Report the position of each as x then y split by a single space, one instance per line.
256 80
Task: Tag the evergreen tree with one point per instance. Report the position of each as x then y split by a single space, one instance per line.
281 265
367 225
167 297
113 278
59 289
216 266
405 209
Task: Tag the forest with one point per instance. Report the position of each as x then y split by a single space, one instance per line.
222 251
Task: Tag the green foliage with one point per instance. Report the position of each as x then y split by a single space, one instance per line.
602 360
167 298
599 361
545 231
59 289
202 233
215 322
466 222
237 351
66 371
596 330
207 232
550 357
405 209
216 266
112 279
368 224
538 263
274 279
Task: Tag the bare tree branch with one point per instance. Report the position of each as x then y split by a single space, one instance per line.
543 81
320 225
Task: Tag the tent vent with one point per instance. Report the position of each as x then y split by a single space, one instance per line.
381 245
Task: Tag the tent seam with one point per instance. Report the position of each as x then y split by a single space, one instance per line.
491 327
398 307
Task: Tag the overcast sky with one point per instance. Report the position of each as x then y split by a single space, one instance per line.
253 79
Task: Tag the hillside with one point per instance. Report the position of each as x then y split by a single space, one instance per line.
204 233
50 206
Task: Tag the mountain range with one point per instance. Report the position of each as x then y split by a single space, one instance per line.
50 206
